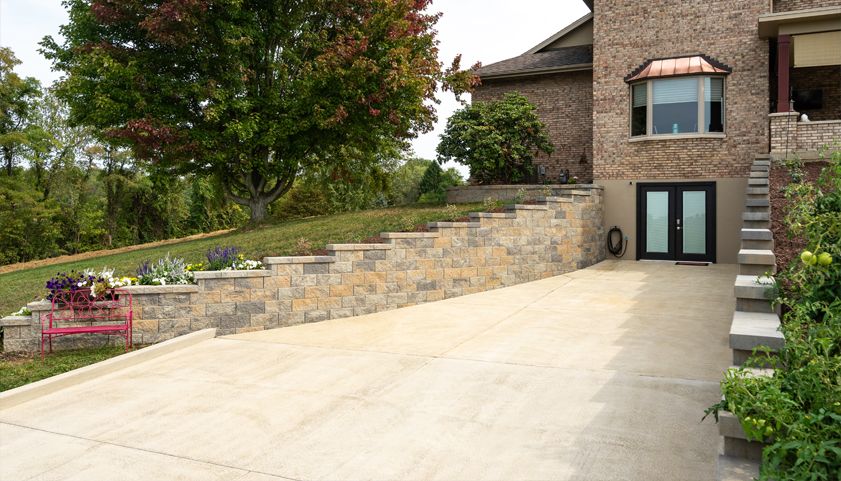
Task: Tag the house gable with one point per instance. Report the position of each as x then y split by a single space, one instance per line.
579 32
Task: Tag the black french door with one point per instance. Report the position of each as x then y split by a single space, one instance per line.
676 221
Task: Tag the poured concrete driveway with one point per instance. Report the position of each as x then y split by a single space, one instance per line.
603 373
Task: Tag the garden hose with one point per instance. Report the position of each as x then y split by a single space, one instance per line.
617 250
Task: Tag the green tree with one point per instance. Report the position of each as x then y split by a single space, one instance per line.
255 91
17 97
54 145
431 180
497 140
406 181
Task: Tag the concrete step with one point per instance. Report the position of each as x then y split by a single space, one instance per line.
757 239
758 191
755 262
762 157
758 203
759 168
756 216
731 468
756 224
753 287
759 175
753 296
751 330
759 182
755 372
756 256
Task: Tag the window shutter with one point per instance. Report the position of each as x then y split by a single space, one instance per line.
675 91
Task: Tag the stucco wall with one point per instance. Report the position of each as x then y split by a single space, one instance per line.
565 104
621 211
628 34
527 243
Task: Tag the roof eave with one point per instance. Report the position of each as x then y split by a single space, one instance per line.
536 71
569 28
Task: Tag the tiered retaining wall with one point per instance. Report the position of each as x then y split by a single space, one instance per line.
527 243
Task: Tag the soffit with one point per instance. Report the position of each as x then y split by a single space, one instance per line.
677 66
802 21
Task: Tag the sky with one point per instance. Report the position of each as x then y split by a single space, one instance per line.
481 30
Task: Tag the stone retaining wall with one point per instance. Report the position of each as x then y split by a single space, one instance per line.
527 243
507 193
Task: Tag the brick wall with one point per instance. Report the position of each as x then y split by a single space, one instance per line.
628 34
803 137
826 79
565 104
792 5
527 243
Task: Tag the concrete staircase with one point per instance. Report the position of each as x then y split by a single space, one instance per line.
755 322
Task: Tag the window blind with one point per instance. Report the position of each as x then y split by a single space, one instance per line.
640 95
713 90
676 91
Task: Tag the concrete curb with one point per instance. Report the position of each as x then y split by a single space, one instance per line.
22 394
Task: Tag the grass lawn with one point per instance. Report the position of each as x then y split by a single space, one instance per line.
20 287
19 368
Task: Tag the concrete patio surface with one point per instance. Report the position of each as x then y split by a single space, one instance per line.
602 373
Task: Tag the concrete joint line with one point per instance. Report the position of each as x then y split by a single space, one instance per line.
109 443
22 394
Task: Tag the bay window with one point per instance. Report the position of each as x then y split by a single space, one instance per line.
673 106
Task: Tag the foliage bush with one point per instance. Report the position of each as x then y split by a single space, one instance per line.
226 259
798 410
165 272
497 140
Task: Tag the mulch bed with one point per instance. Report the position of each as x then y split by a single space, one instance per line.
786 248
418 228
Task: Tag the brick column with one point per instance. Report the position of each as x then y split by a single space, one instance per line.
782 73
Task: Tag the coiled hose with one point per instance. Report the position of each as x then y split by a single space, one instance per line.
618 250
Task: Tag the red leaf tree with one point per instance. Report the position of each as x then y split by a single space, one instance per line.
253 91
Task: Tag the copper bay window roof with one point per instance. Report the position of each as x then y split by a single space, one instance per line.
675 66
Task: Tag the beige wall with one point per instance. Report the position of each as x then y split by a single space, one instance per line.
620 209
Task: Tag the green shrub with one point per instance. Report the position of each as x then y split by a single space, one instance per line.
798 410
299 203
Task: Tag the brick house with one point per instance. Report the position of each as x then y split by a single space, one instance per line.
666 103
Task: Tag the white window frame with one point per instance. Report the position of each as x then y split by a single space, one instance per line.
649 117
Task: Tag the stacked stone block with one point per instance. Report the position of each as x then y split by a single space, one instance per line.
527 243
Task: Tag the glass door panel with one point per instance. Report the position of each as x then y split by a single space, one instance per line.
657 222
694 222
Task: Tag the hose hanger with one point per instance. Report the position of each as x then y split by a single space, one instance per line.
617 250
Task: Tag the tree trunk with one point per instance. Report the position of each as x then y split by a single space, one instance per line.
259 208
259 198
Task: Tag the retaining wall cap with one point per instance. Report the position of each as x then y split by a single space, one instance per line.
232 274
39 306
12 321
298 260
171 289
524 207
358 247
555 199
408 235
490 215
454 224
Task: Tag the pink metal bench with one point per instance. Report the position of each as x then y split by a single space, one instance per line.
110 313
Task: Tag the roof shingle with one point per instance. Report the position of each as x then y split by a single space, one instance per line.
578 55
